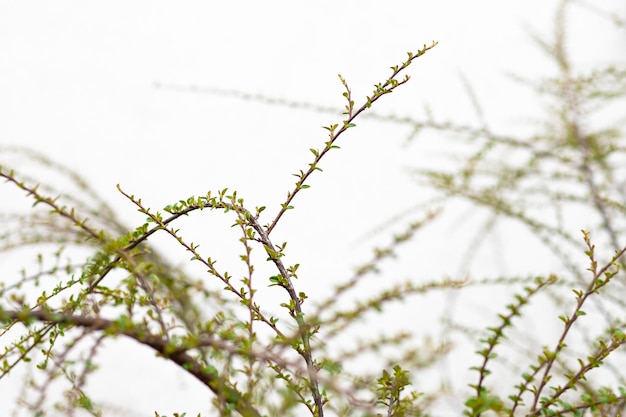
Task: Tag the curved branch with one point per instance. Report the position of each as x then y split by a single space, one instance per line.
205 374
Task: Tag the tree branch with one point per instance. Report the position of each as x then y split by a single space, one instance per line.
205 374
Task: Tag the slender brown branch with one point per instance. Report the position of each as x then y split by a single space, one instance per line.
205 374
381 89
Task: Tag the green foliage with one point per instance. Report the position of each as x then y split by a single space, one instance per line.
390 388
258 359
223 336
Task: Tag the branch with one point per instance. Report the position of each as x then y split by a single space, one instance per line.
206 374
381 89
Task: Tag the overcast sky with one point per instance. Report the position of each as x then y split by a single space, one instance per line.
78 82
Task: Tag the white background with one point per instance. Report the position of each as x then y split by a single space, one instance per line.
77 82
